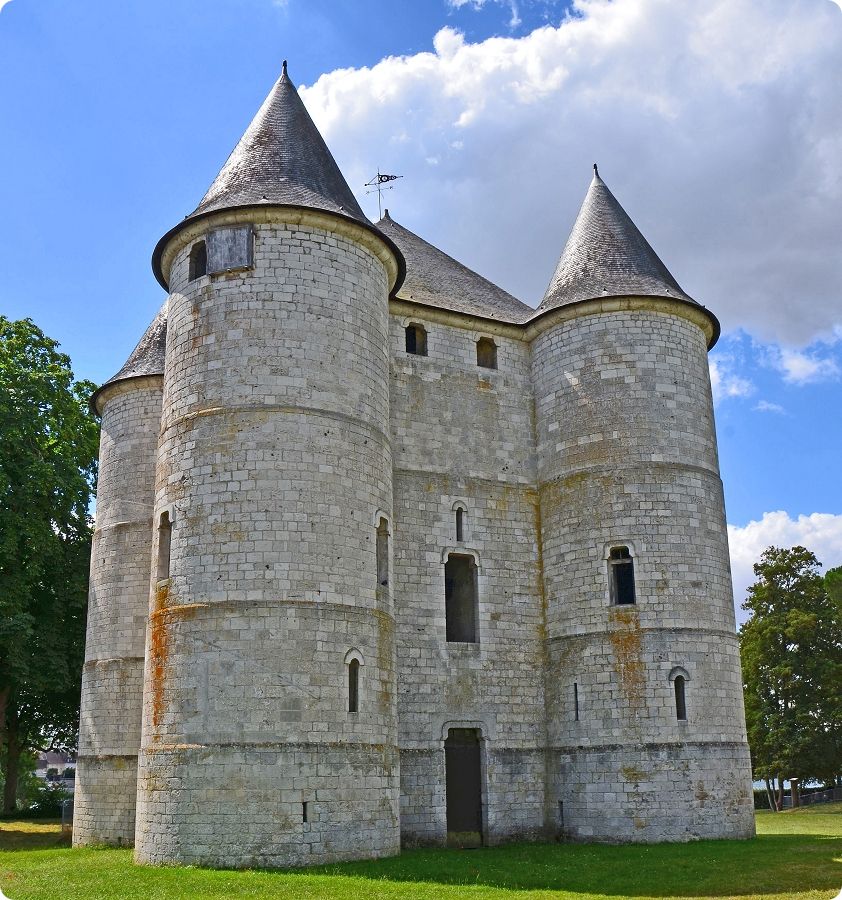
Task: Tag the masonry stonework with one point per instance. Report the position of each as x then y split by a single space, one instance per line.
277 539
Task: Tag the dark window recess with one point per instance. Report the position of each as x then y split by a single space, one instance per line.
354 686
561 813
680 700
486 353
460 599
416 340
576 701
164 541
463 787
621 571
460 524
382 550
304 812
198 260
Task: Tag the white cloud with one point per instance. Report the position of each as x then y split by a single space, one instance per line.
718 125
806 368
819 532
766 406
725 383
4 3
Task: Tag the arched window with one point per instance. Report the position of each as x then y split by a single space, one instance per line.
164 541
621 576
486 353
460 524
198 260
416 340
382 551
680 698
353 685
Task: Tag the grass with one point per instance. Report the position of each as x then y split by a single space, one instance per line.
797 854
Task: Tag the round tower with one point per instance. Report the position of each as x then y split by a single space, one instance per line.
269 725
112 678
647 734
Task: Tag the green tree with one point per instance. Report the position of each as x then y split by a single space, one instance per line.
48 457
791 649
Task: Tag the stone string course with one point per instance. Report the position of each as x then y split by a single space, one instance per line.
291 421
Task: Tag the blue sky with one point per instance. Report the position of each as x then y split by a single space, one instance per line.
717 125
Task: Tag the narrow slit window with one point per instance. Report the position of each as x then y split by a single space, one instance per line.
198 260
621 575
164 541
460 524
354 686
416 340
304 812
680 698
382 551
576 701
486 353
460 599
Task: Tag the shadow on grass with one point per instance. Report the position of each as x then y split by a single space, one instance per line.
32 836
770 864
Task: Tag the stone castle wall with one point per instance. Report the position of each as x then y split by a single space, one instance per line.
112 677
627 457
462 435
293 421
275 459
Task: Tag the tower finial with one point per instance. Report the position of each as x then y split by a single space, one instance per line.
595 170
284 68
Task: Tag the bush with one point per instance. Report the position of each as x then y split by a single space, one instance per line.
48 802
761 799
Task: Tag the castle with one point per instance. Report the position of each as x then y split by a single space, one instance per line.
385 557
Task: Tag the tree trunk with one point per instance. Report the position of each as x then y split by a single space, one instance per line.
795 788
10 790
4 701
770 796
780 803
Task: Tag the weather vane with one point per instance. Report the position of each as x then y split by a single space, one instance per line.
376 184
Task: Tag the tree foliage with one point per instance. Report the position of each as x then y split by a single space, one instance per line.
48 457
791 650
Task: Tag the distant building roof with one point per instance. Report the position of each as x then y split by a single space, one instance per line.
436 279
147 358
606 256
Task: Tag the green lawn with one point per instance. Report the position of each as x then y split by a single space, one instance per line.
797 854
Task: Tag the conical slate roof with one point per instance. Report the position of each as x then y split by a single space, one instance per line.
606 256
281 160
147 358
436 279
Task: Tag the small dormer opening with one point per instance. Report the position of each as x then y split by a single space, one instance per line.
416 339
164 541
486 353
621 576
198 260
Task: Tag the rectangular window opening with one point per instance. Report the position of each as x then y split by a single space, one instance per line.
576 701
460 599
164 542
621 572
416 340
304 812
353 686
382 551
